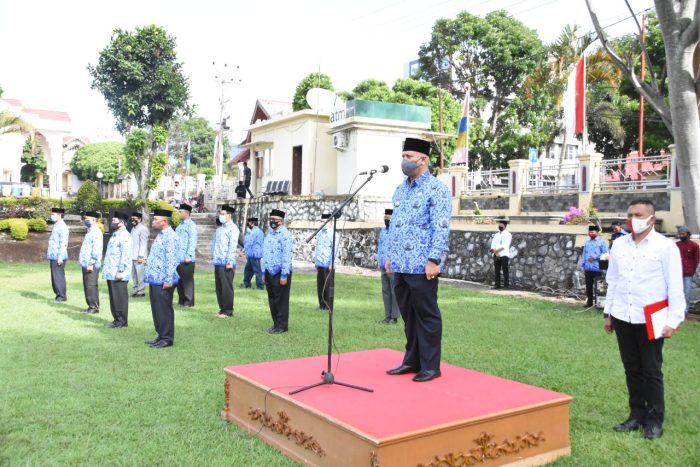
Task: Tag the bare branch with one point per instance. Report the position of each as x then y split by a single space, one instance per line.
651 95
644 47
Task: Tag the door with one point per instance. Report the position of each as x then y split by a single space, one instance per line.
296 170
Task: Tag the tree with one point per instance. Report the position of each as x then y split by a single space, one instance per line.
99 157
88 198
11 123
35 163
679 21
414 92
202 137
314 80
140 78
491 57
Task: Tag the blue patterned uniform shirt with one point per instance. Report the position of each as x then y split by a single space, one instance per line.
277 251
324 247
91 249
58 242
253 243
163 259
420 225
224 245
187 240
593 248
120 253
382 248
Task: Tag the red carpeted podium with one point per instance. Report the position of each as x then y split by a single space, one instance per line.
462 418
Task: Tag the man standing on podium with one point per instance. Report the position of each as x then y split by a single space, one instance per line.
645 269
418 241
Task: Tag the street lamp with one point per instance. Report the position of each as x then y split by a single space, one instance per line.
99 178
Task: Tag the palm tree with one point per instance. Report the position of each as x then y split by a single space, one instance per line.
11 123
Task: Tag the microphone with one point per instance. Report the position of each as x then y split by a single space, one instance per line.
382 169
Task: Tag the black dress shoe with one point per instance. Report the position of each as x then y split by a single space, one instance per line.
116 325
59 299
401 370
631 424
653 431
151 342
279 330
161 344
138 294
271 329
426 375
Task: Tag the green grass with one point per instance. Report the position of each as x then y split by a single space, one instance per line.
75 393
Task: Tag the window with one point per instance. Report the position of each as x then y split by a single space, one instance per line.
571 151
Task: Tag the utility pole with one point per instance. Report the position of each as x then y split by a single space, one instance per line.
223 80
641 104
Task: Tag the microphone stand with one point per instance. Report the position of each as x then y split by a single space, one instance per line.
327 376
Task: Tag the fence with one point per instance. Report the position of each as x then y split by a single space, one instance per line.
635 173
487 182
558 178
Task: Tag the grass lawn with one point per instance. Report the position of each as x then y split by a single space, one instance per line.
73 392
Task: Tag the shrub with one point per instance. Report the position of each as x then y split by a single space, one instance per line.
4 224
88 198
18 228
36 225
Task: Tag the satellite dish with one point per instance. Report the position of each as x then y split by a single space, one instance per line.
323 100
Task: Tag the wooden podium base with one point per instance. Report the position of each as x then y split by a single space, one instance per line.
461 418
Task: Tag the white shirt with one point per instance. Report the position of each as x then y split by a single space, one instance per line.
639 275
502 239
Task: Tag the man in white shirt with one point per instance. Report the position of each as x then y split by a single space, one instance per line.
645 268
500 248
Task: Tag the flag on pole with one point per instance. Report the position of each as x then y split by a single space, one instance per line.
575 100
187 159
461 150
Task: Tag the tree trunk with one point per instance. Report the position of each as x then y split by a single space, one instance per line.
686 133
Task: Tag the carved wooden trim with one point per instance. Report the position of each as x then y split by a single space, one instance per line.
227 398
281 426
486 450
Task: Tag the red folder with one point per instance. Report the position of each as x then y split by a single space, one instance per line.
652 313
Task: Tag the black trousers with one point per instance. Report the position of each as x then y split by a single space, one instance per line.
417 300
162 311
642 360
500 263
223 279
119 300
591 277
92 293
278 298
58 279
185 288
247 187
323 289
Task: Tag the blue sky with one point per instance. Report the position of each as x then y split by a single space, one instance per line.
47 44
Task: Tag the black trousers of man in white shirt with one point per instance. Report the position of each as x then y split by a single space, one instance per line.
500 263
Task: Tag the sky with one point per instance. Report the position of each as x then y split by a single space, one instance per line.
265 46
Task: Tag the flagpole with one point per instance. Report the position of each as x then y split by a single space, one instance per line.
466 105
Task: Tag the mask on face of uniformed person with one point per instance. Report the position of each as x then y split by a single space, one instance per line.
115 225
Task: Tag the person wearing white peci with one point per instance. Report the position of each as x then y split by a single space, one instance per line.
645 269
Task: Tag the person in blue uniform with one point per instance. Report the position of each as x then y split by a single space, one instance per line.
57 254
253 248
161 277
90 261
117 270
277 263
322 260
418 242
224 247
594 248
187 240
391 308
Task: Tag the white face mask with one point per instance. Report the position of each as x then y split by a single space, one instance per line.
54 218
640 225
222 218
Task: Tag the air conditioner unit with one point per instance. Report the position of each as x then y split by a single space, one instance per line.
340 141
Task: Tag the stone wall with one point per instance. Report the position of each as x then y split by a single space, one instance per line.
549 203
618 201
539 259
310 208
484 202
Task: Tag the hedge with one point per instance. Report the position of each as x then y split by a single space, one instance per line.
19 228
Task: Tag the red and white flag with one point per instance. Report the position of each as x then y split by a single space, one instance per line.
575 100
